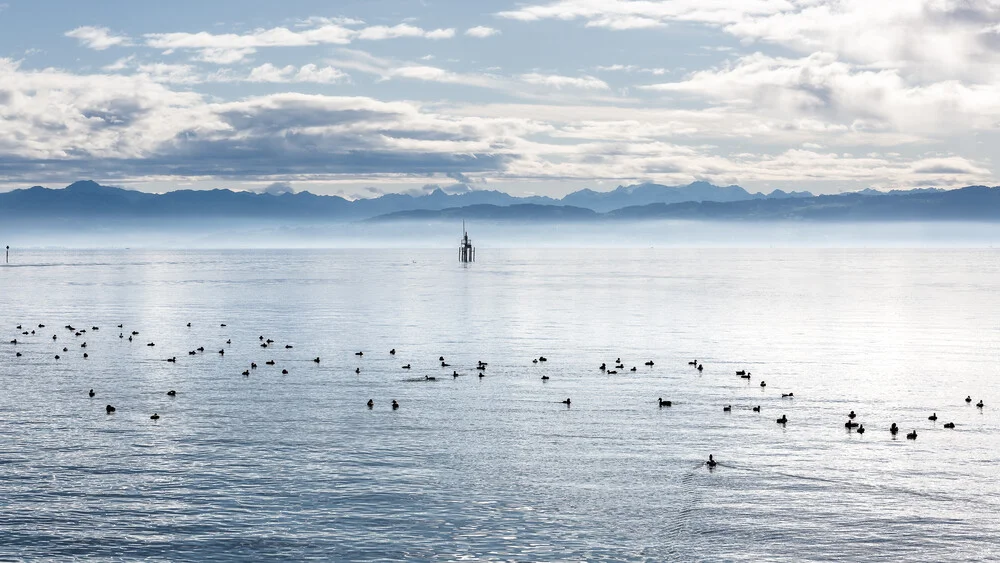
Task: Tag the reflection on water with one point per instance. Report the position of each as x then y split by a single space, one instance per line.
296 465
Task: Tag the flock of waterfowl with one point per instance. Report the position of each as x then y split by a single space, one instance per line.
481 366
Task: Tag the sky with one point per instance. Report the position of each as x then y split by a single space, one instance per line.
538 97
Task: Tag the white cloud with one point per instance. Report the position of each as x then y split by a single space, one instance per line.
230 48
309 73
98 38
481 32
556 81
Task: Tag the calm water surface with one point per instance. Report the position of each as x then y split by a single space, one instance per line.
295 466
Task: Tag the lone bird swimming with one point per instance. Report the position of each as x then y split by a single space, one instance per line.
711 461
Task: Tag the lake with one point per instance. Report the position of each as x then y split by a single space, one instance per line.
295 466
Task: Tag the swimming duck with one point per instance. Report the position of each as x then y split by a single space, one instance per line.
727 408
284 372
192 353
861 429
912 435
392 352
91 393
316 359
534 361
454 374
741 372
57 356
932 417
189 325
756 409
694 363
980 403
851 415
747 377
269 363
171 393
700 367
84 345
17 355
253 365
154 417
633 368
711 461
109 409
665 403
288 346
359 353
542 359
440 358
567 402
223 324
222 352
968 399
357 371
783 419
229 341
172 360
762 384
949 425
850 424
246 373
407 366
545 378
612 372
649 363
893 429
395 405
151 344
429 378
444 365
85 355
604 367
201 348
786 395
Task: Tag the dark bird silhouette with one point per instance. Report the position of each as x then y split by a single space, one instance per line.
357 371
284 372
407 366
316 359
851 415
154 417
604 367
980 403
932 417
949 425
700 367
893 429
359 353
395 405
756 409
109 409
171 393
664 403
727 408
912 435
545 378
567 402
762 384
542 359
968 399
861 429
269 363
85 355
783 419
91 393
288 346
371 403
711 461
787 395
246 373
850 424
649 363
392 352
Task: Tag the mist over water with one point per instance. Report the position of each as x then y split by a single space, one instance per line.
295 466
256 233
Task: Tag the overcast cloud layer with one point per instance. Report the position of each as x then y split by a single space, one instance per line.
531 97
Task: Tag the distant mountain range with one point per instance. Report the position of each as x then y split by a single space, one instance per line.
87 200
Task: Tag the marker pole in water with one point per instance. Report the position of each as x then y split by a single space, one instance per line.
6 257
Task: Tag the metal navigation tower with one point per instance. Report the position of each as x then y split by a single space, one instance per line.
466 252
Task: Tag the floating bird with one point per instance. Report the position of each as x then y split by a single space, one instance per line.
357 371
151 344
787 395
756 409
545 378
727 408
246 373
700 367
253 365
542 359
454 374
154 417
223 324
932 417
633 368
783 419
851 415
949 425
429 378
694 363
222 352
269 363
171 393
612 372
371 403
968 399
192 353
444 365
18 355
741 372
201 348
392 352
893 429
288 346
407 366
284 372
861 429
980 403
91 393
189 325
229 341
440 358
762 384
711 461
109 409
567 402
649 363
316 359
604 367
57 356
664 403
395 405
172 360
850 424
359 353
912 435
85 356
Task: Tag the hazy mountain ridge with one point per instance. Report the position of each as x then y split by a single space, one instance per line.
86 200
